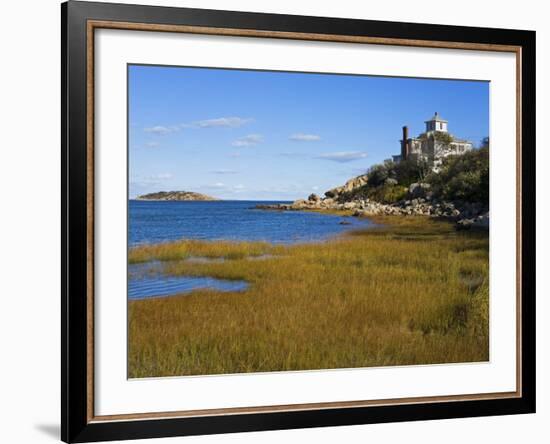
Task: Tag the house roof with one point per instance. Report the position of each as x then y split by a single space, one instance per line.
436 118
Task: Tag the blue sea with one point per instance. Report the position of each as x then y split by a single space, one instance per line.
164 221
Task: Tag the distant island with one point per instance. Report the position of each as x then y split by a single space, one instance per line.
176 195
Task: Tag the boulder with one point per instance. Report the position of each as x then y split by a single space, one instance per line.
464 224
349 205
356 182
390 181
299 204
417 190
350 185
480 222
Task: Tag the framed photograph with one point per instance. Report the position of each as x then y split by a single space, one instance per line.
275 221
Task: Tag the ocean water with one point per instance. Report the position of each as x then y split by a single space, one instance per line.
153 222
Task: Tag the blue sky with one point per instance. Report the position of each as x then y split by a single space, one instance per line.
257 135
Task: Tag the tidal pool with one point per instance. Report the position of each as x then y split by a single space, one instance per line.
147 281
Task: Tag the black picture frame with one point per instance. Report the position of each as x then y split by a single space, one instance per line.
76 424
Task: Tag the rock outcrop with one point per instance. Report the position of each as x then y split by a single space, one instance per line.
349 186
419 201
176 195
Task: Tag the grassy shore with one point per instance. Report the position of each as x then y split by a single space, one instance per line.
412 291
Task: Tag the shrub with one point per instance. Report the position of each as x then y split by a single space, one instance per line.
464 177
404 172
460 178
407 172
378 174
387 193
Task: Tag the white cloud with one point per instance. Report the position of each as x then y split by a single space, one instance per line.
223 171
250 140
300 137
161 176
228 122
343 156
221 122
151 179
152 144
223 188
162 130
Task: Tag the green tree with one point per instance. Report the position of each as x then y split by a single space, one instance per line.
443 137
407 172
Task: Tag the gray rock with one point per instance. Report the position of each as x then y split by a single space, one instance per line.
478 222
350 185
418 190
349 205
356 182
481 221
464 224
299 204
314 204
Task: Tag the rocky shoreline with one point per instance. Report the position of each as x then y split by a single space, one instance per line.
419 201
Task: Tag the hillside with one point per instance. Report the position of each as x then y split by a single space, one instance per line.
459 190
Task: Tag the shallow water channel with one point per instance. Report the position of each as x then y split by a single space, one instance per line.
147 280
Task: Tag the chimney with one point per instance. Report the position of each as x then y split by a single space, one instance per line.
405 144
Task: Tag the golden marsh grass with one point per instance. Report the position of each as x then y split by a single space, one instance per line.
412 291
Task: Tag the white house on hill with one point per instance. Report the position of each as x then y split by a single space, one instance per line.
433 145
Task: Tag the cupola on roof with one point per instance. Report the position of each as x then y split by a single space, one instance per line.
436 118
